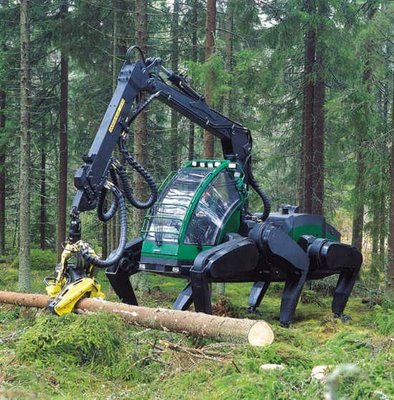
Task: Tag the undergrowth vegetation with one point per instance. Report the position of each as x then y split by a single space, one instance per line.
98 356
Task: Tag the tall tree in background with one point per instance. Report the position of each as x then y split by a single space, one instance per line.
362 123
312 153
63 142
210 30
43 196
140 281
319 97
390 267
194 57
24 177
174 67
307 119
141 122
229 41
2 174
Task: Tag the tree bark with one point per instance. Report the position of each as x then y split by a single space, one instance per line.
319 98
140 133
63 145
194 57
227 103
359 190
308 117
24 176
2 174
111 228
43 200
208 139
256 333
390 267
174 67
140 282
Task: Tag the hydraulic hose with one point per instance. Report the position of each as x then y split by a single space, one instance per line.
115 255
256 187
105 216
128 192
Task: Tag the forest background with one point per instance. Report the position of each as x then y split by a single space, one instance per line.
312 79
314 82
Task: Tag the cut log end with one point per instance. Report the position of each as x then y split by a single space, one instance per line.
260 334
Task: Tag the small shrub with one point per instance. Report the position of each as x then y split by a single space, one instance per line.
310 297
40 260
9 315
384 320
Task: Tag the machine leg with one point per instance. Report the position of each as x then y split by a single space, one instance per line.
184 299
201 291
344 287
229 260
120 282
256 294
290 297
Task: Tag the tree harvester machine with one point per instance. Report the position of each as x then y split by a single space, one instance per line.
198 225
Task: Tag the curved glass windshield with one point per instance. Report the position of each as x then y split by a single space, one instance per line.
169 211
216 203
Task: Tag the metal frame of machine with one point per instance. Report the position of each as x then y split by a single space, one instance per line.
199 227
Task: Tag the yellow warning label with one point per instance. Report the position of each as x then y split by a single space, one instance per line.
116 116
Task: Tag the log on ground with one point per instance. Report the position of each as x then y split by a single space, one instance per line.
256 333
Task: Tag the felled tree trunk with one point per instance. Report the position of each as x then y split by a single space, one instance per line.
256 333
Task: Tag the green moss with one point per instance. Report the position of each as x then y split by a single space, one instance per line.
99 356
71 339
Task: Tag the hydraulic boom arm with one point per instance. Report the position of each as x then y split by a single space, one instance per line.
133 80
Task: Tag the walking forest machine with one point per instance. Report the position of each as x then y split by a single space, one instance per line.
198 225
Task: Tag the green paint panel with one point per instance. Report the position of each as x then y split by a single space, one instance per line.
307 229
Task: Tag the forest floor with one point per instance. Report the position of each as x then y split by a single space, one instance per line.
100 357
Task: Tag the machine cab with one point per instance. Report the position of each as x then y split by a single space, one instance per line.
197 206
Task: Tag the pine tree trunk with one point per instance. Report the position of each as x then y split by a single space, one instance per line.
227 103
112 226
358 213
359 208
318 115
63 145
2 175
209 50
194 59
24 177
140 281
390 267
308 117
174 66
43 200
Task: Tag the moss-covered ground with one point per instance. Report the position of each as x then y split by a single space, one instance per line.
100 357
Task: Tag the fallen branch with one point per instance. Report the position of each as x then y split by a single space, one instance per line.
256 333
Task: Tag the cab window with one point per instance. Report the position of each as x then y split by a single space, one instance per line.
170 209
216 203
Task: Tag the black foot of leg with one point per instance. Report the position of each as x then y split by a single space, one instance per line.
343 317
120 282
343 290
201 292
290 297
256 294
252 310
184 299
